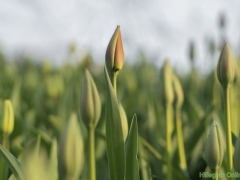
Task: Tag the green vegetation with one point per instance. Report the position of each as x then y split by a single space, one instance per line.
119 121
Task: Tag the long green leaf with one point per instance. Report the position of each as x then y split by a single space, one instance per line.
143 165
132 170
53 162
114 135
15 166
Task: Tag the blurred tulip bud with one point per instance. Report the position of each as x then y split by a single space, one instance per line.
212 47
114 55
71 150
90 105
178 92
214 147
191 51
124 122
167 87
73 47
54 86
236 155
46 66
7 119
225 68
222 20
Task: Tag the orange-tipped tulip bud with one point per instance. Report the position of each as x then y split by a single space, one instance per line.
114 55
225 68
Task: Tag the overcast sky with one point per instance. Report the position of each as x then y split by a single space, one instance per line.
162 28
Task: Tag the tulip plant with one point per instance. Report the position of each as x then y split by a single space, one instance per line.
214 149
225 74
90 109
120 121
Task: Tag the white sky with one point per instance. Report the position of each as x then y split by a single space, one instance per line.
162 28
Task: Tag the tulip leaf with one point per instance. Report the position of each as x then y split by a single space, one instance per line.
132 170
15 166
151 149
53 161
114 134
234 139
143 164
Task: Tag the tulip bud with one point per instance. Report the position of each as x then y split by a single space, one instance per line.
90 105
7 120
54 86
225 68
192 51
214 147
178 92
71 150
114 55
236 156
124 122
212 47
167 87
222 20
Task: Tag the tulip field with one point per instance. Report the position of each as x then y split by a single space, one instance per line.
119 121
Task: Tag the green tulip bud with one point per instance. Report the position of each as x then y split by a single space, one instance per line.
167 87
214 147
114 55
225 68
124 122
236 155
178 92
71 150
90 105
7 120
54 86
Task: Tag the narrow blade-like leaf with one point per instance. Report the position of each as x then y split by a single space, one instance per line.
15 166
132 170
114 134
53 161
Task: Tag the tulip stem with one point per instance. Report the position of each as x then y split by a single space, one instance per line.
215 171
4 141
228 127
169 141
142 162
181 150
113 77
92 165
3 165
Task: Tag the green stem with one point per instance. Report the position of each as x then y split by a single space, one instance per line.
150 149
215 171
228 128
114 82
150 172
92 165
181 150
169 129
4 141
3 165
143 165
